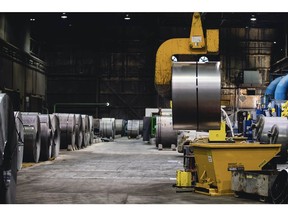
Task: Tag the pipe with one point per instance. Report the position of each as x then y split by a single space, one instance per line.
79 104
272 86
281 89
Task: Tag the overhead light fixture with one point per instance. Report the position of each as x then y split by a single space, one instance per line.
274 42
32 19
253 18
127 17
64 16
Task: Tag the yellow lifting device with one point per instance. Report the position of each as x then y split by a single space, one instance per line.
196 44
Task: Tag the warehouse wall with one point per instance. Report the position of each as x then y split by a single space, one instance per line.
21 75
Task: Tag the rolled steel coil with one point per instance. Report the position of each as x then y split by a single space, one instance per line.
263 126
91 129
8 151
32 137
107 128
56 135
46 137
165 134
79 134
133 128
20 138
85 129
67 128
279 135
279 188
196 95
119 126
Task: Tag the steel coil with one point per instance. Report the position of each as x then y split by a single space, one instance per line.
46 137
141 127
85 129
279 188
119 126
263 126
146 128
79 134
32 137
165 134
56 135
67 128
8 151
91 129
133 128
107 128
196 95
20 138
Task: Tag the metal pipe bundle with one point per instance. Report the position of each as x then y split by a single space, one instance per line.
32 137
67 128
8 151
133 128
85 130
56 135
165 134
20 138
46 137
107 128
78 131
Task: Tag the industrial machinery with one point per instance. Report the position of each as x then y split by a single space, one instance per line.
196 95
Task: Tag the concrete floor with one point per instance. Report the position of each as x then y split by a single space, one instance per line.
127 171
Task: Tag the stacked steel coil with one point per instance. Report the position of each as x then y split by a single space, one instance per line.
107 128
85 130
20 138
67 128
165 134
78 131
46 137
56 135
32 137
133 128
8 151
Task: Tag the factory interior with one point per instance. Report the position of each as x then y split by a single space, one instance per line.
144 108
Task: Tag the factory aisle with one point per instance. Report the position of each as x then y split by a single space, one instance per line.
126 171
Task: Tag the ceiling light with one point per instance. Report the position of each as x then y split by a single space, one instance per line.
32 19
274 42
253 18
64 16
127 17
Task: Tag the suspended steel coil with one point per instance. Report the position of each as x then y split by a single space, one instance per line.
20 138
165 134
196 95
78 131
56 135
107 128
67 128
46 137
279 188
8 151
91 129
133 128
85 130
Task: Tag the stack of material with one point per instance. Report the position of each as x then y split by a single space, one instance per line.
20 138
56 135
67 128
85 130
8 151
32 137
78 132
107 128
